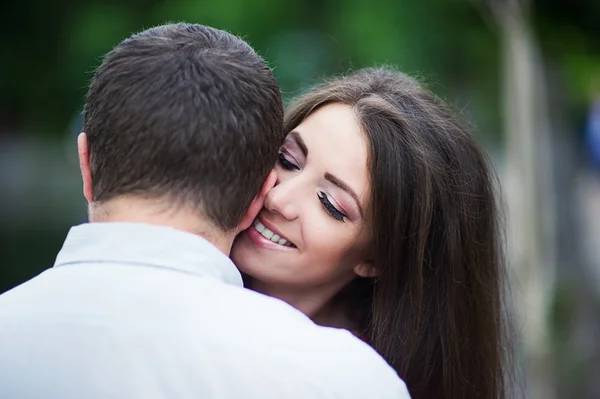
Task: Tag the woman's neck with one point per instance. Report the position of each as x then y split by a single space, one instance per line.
317 305
305 300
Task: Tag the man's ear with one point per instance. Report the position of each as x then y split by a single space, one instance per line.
257 202
365 269
84 165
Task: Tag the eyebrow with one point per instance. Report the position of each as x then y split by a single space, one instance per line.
331 178
300 142
328 176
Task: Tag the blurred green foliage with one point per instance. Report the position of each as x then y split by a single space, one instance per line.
49 49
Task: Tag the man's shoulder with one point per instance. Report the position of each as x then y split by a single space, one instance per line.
291 340
203 319
350 357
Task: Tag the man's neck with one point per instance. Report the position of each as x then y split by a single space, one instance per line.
160 212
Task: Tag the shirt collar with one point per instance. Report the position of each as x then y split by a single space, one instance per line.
146 245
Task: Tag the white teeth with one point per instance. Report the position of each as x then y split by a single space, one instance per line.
265 232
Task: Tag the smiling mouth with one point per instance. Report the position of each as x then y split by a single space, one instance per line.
269 235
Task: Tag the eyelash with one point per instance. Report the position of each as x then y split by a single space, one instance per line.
285 164
329 208
327 205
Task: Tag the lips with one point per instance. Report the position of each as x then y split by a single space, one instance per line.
271 235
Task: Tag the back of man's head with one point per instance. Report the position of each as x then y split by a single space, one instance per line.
184 112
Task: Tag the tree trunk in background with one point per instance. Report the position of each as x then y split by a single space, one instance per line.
529 190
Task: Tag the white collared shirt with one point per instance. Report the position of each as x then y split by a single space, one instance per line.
139 311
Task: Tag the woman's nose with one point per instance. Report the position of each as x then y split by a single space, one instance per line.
282 199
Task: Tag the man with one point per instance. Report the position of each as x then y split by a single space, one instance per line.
183 124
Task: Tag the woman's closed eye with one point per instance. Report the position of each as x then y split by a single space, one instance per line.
329 208
287 164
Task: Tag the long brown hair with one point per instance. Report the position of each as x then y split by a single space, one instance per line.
435 309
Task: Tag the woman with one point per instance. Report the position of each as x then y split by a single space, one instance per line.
384 221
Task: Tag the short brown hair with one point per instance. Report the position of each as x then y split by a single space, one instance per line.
188 112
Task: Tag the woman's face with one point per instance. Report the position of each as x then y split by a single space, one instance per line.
312 233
